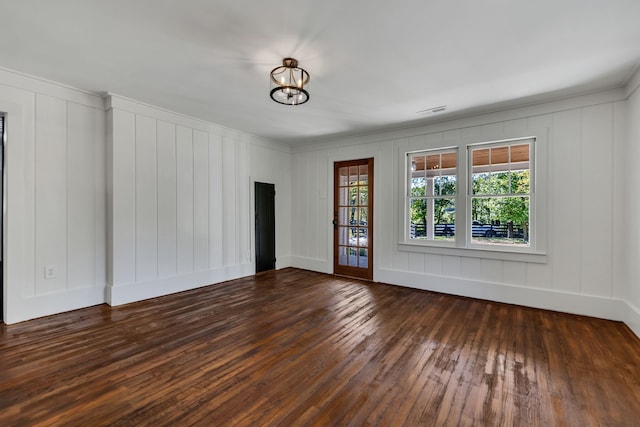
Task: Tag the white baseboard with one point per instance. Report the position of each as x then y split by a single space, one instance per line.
313 264
283 262
547 299
131 292
27 308
633 318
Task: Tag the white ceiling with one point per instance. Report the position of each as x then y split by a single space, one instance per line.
373 64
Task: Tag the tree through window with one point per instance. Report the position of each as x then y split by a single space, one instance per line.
500 192
432 190
478 196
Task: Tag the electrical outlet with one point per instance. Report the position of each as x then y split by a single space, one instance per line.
50 272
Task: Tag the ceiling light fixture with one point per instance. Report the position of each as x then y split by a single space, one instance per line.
288 83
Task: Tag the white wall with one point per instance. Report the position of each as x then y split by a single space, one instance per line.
55 212
181 201
179 190
584 210
632 204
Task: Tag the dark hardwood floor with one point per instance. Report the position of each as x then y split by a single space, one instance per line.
293 347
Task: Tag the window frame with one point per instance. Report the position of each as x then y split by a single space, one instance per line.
532 192
536 252
408 197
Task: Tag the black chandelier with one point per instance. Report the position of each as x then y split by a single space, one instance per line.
288 83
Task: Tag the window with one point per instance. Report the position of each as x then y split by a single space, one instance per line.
480 198
432 190
500 192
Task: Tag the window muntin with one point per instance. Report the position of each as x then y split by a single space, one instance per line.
500 193
431 193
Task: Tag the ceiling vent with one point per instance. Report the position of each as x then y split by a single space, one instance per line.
433 110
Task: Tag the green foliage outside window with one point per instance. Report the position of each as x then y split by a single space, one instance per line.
485 210
443 209
503 209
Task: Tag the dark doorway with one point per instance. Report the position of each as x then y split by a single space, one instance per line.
265 226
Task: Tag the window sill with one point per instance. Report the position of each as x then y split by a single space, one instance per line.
492 253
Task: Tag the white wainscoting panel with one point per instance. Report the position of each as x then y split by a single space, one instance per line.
146 195
192 217
51 193
184 149
56 198
167 200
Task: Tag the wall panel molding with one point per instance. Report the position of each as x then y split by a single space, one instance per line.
42 86
191 183
47 131
122 103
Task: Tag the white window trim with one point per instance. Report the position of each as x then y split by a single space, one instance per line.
407 185
535 253
532 193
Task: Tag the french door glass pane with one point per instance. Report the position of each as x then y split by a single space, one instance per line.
364 175
363 259
343 173
342 255
353 257
353 175
343 240
353 237
343 216
363 240
344 196
364 196
364 217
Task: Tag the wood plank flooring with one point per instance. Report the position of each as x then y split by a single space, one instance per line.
296 348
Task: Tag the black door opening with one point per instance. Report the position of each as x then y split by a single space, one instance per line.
265 226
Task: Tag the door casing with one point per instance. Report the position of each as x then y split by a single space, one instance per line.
347 270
